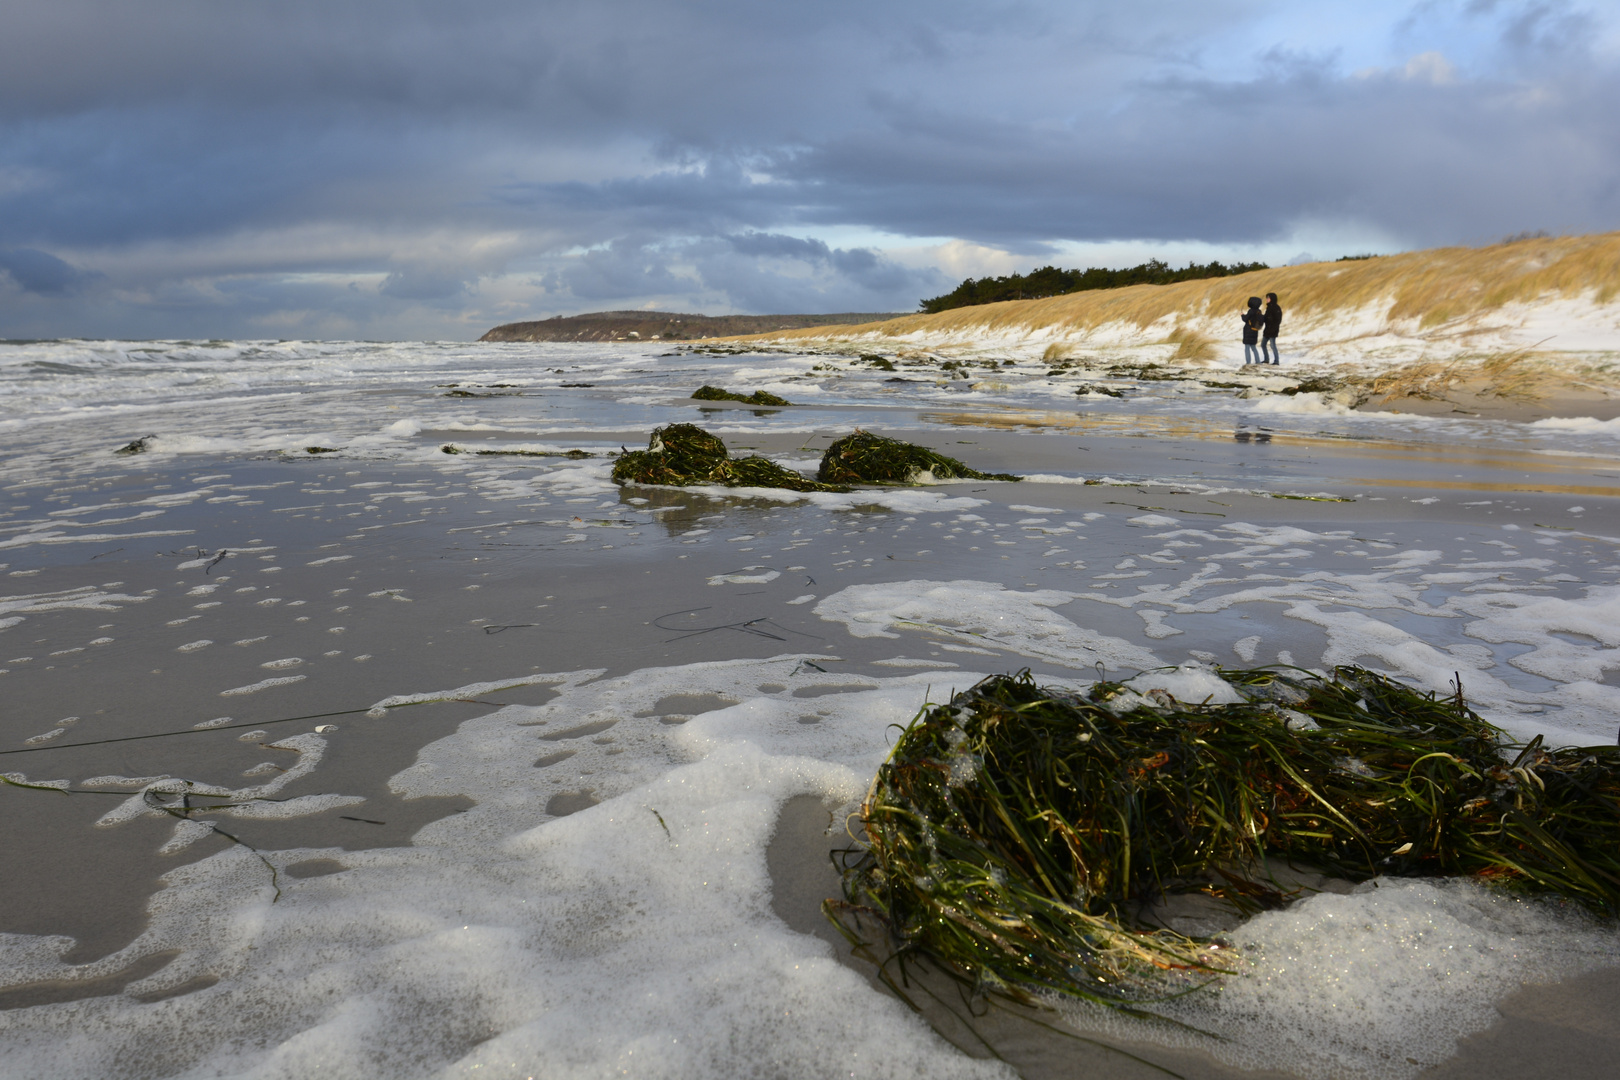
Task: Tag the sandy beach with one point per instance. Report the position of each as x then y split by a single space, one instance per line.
521 772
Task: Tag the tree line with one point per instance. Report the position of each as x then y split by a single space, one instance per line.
1051 281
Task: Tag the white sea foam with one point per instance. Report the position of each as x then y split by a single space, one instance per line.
1191 682
1379 983
638 929
506 940
50 536
262 684
84 598
749 575
981 613
188 400
1584 424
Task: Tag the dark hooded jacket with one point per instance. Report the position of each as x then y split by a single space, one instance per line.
1273 318
1253 320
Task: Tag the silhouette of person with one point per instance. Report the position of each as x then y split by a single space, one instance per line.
1253 321
1268 337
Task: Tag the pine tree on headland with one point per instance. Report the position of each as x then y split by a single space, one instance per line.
1051 281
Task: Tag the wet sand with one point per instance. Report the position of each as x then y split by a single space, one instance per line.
365 580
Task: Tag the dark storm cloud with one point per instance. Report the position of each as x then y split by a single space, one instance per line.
424 283
763 272
1243 163
425 155
42 273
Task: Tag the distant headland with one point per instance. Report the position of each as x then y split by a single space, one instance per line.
667 326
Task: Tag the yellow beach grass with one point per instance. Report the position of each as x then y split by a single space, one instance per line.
1433 287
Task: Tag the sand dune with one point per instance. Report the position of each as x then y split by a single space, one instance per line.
1527 302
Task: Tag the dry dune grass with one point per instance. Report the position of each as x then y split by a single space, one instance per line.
1513 375
1434 287
1191 345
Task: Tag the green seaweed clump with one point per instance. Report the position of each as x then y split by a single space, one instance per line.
138 446
684 454
1016 834
758 397
864 458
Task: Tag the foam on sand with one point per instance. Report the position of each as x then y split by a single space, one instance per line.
1377 983
635 934
984 613
605 908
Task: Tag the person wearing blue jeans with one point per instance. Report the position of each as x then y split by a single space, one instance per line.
1253 321
1273 323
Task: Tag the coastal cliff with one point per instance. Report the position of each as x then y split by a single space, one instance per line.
666 326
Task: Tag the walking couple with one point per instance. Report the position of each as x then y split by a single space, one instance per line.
1260 330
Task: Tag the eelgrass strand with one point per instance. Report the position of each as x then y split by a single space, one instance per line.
865 458
1016 833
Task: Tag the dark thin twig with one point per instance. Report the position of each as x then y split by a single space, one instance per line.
189 731
183 812
748 626
233 727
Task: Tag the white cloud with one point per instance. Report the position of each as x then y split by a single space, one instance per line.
1430 67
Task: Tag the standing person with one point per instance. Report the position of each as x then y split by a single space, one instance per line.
1268 340
1253 320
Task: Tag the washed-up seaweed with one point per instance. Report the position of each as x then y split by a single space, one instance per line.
681 455
1016 834
137 446
758 397
864 458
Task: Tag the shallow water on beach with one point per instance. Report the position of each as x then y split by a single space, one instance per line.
558 859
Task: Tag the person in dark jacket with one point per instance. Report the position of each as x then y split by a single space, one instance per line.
1253 321
1268 337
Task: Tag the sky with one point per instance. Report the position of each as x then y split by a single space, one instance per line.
421 169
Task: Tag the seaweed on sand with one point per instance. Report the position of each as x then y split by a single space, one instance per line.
683 454
1016 833
864 458
138 446
758 397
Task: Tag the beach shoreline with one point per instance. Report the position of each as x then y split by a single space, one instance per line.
648 684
